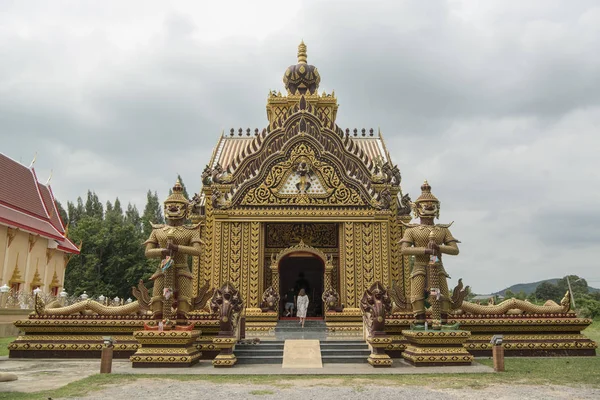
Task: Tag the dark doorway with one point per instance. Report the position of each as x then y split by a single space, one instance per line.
303 271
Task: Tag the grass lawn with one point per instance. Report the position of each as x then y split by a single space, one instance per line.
4 342
593 332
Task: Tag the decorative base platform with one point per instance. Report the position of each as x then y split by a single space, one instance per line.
225 358
436 348
378 358
80 336
531 335
166 349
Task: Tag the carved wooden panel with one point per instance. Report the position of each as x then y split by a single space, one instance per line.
282 235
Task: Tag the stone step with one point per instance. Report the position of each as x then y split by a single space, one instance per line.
300 330
298 326
325 344
258 353
259 359
347 352
274 345
344 359
296 321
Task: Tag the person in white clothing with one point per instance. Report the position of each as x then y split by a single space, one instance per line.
301 306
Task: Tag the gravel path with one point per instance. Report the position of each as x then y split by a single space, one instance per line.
325 389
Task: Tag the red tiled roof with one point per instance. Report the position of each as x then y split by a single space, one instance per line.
19 188
28 205
27 222
51 207
66 244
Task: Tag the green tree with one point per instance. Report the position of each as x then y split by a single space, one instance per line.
579 285
588 306
521 295
112 255
508 294
64 217
152 213
132 216
75 211
83 271
93 206
547 291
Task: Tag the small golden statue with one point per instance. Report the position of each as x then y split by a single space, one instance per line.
427 242
173 242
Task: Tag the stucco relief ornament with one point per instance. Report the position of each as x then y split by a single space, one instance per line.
206 175
378 174
218 200
303 172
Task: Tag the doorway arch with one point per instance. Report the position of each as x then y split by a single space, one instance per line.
299 251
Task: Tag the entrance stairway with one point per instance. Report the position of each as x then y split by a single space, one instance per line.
291 329
270 352
344 351
332 351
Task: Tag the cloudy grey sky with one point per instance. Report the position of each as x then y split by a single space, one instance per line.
496 103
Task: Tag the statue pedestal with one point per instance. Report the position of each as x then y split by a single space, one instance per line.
436 348
378 358
225 358
160 349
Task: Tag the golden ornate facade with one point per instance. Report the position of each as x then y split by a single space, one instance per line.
302 180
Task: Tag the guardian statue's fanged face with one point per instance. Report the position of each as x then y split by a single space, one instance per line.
176 205
175 210
427 205
427 209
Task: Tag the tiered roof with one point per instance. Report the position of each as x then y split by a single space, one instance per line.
242 159
231 147
29 205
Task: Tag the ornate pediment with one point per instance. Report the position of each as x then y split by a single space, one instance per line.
303 179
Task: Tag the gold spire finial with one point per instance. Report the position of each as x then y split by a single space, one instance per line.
302 53
35 155
49 178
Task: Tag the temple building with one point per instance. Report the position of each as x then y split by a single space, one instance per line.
302 203
34 248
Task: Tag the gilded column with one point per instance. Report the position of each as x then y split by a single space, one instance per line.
396 263
378 266
225 257
368 258
216 266
349 281
335 274
275 279
207 264
255 272
359 286
235 253
245 262
385 254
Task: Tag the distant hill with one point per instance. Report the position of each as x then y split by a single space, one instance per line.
529 288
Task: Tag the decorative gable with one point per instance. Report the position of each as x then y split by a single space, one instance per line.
302 179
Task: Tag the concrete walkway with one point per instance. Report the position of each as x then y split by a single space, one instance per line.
43 374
